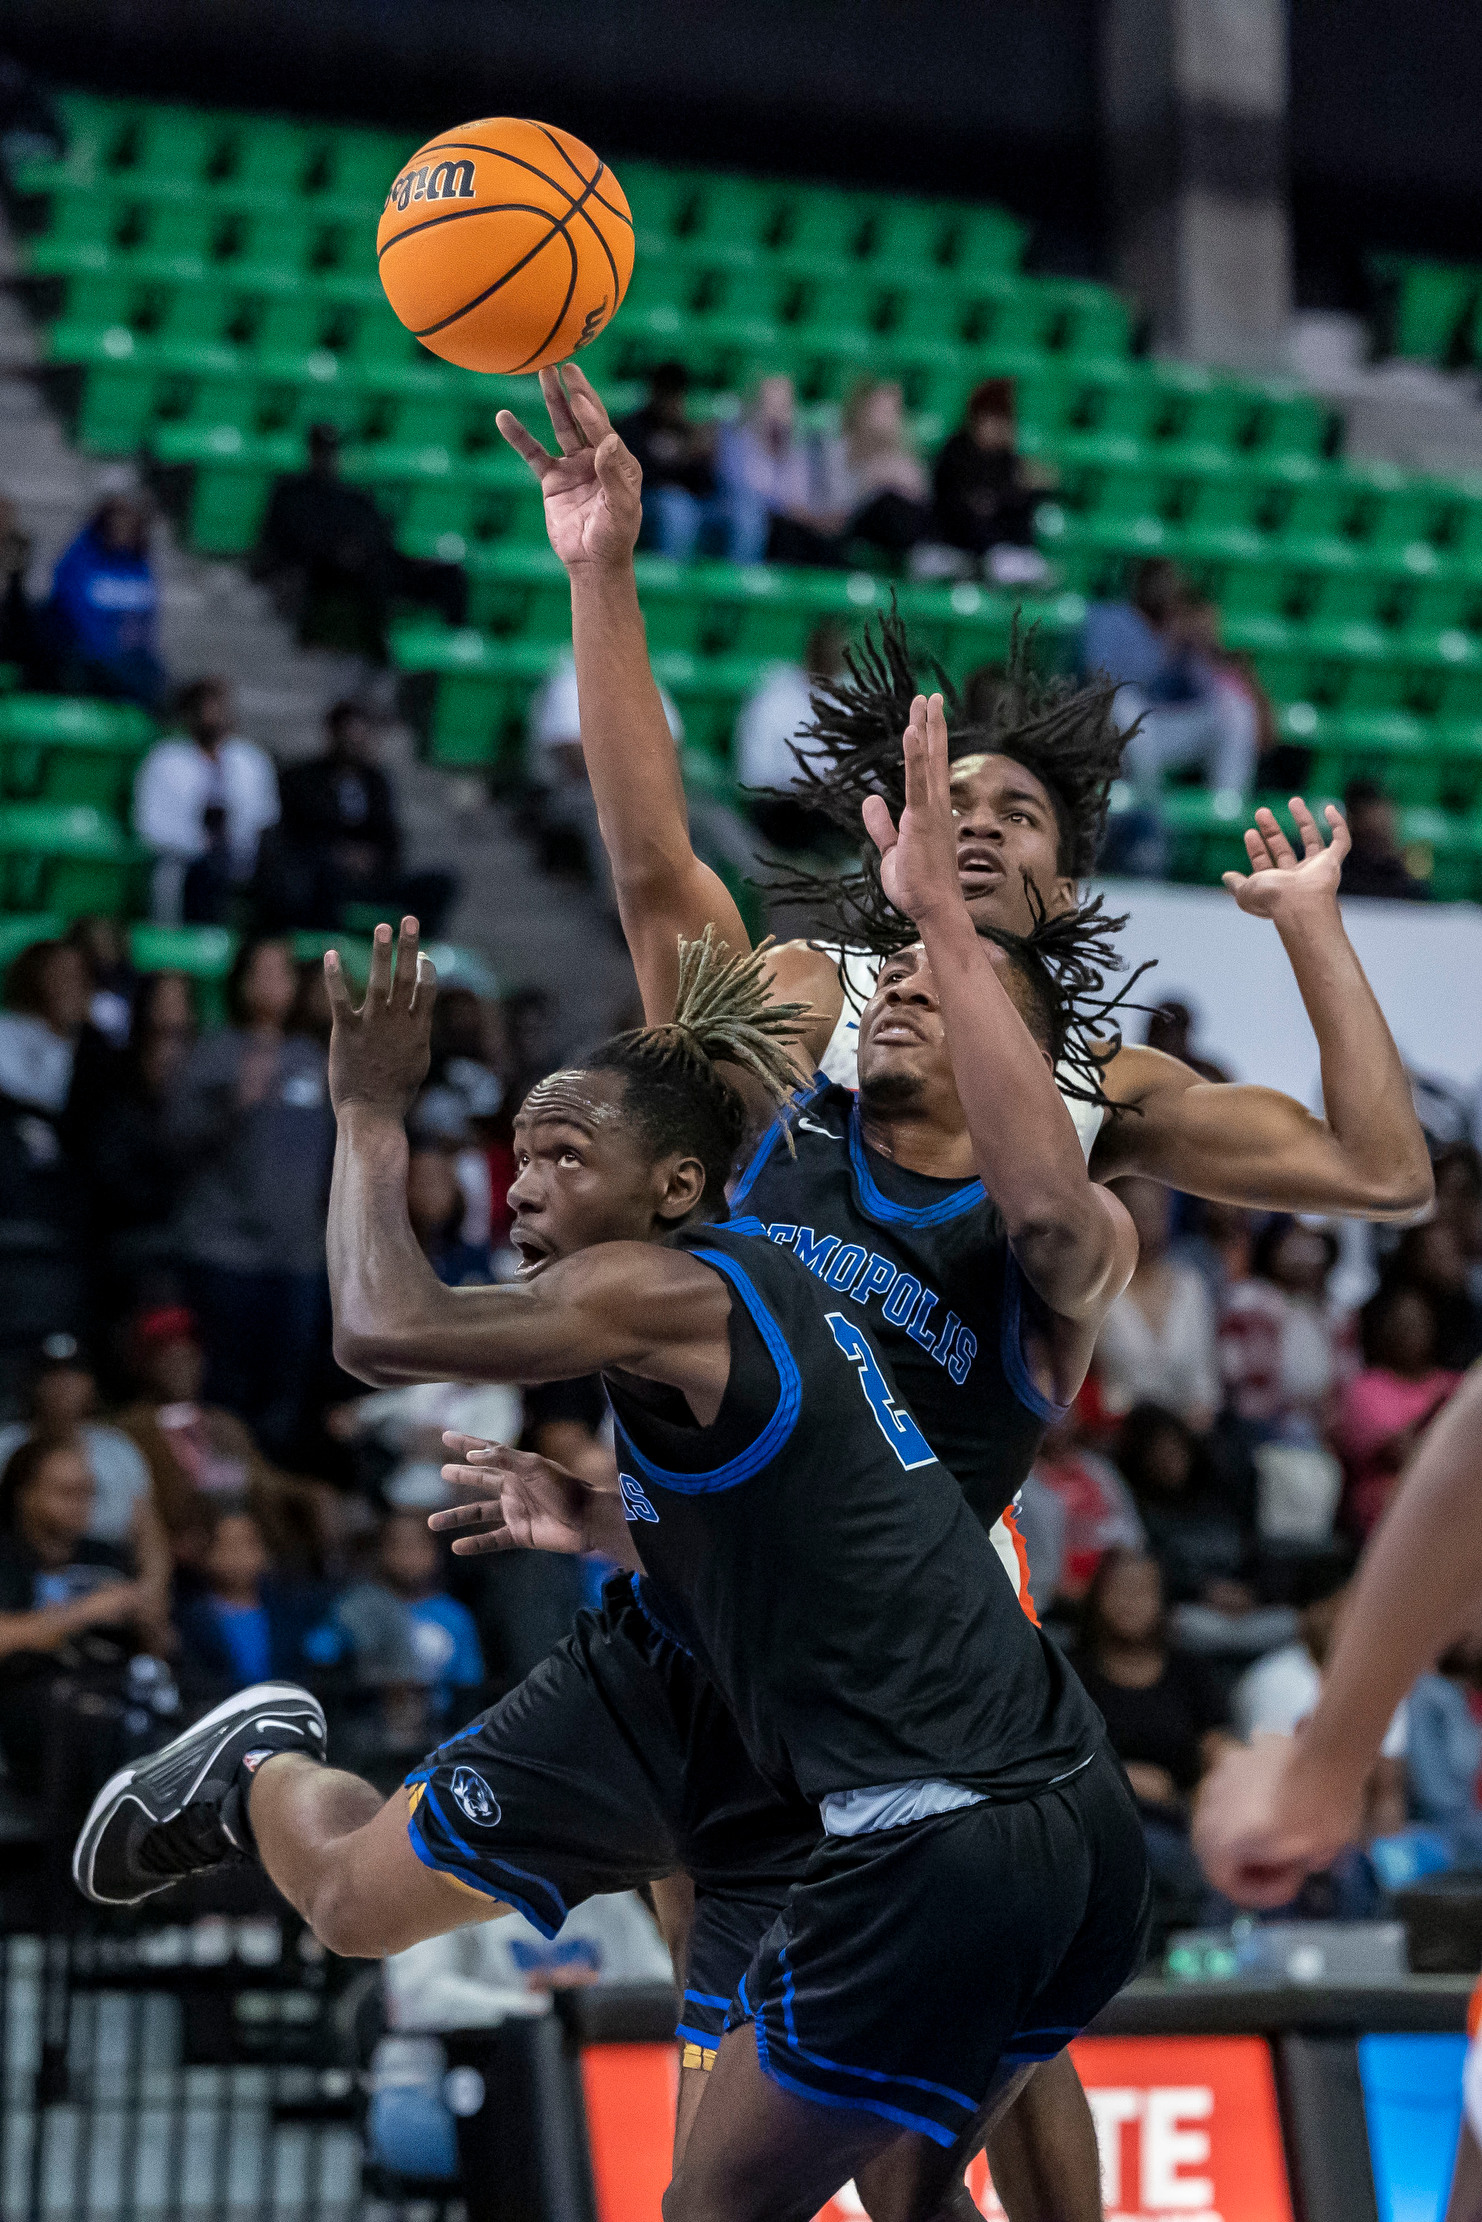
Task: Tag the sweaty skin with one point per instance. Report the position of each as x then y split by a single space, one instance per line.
1234 1144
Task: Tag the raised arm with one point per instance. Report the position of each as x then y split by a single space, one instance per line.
1285 1807
650 1311
1074 1242
1366 1156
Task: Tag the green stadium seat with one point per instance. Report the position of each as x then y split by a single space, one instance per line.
54 748
271 159
19 931
479 689
1445 849
1290 422
982 239
911 234
1205 832
71 858
1431 303
823 220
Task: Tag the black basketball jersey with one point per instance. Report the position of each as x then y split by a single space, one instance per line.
924 1264
821 1564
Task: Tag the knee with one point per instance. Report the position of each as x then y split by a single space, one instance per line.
346 1920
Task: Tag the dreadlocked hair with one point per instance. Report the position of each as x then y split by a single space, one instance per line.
1063 962
675 1091
1061 733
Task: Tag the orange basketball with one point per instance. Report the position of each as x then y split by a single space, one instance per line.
505 245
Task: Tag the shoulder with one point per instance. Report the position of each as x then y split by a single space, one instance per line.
804 971
1136 1075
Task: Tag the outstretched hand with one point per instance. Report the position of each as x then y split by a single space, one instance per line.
592 488
1279 879
521 1501
1259 1831
918 859
378 1055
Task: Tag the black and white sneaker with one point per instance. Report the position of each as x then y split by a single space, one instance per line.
183 1809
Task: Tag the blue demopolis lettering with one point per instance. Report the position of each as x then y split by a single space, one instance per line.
943 1345
815 1250
902 1300
959 1365
846 1268
782 1230
878 1276
917 1330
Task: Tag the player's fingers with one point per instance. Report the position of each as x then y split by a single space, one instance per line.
1342 840
618 470
1235 881
879 824
936 753
479 1512
1276 841
336 987
524 443
586 403
475 1546
569 434
406 963
1307 826
378 988
1256 849
918 790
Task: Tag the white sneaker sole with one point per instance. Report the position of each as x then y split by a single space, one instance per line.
258 1698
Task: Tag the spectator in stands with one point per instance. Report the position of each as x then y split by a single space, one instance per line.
1280 1692
437 1207
23 643
682 499
333 561
240 1618
202 801
117 1130
1433 1259
1284 1348
1164 1715
772 719
1099 1513
765 476
65 1601
61 1408
1157 1343
199 1454
1183 712
1375 864
340 841
1386 1407
871 488
1444 1750
45 1286
102 617
404 1613
1171 1029
1200 1543
983 495
251 1120
104 944
571 839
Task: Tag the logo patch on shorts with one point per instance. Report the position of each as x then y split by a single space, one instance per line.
635 1504
474 1799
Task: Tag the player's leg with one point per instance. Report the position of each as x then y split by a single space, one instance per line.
1465 2203
1041 2150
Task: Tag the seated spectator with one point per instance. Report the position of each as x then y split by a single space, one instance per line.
104 946
1171 1030
198 1455
202 801
1433 1259
682 500
102 618
240 1619
773 718
983 495
61 1409
765 474
1195 1535
1375 864
1385 1408
1166 688
332 559
340 841
871 488
116 1129
1444 1750
402 1626
1284 1347
437 1208
1157 1343
23 643
66 1602
251 1119
1164 1715
1098 1510
45 1286
1276 1695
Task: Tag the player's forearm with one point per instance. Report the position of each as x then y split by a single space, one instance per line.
1366 1095
1024 1145
383 1293
1420 1581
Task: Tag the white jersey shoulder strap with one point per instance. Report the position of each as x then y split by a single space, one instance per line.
840 1061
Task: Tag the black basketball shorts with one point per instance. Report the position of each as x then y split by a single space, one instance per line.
911 1964
615 1763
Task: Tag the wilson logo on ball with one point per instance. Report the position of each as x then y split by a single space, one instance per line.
450 181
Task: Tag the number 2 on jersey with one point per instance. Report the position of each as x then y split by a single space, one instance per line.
894 1422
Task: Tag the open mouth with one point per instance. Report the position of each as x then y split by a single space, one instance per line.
531 1252
978 868
899 1031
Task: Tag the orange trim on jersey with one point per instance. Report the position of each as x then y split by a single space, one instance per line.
1474 2010
1026 1594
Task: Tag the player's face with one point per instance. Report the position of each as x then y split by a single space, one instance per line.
903 1054
580 1174
1006 828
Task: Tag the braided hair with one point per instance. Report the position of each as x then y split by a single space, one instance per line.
1064 960
675 1091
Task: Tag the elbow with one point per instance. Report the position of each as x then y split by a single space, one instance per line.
1404 1193
369 1357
